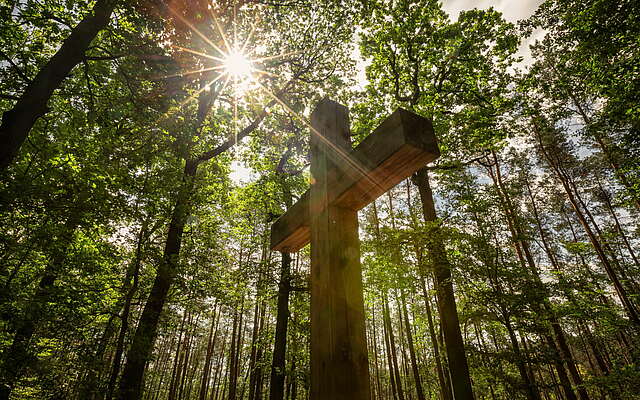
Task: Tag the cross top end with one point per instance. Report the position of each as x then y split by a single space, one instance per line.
399 146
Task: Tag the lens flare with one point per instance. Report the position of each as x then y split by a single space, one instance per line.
238 65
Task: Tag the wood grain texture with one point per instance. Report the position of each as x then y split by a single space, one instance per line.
339 357
401 145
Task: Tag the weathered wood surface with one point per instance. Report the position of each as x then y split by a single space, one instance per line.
339 359
403 143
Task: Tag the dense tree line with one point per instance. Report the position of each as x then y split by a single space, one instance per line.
132 265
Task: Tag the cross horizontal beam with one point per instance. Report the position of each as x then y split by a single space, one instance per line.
402 144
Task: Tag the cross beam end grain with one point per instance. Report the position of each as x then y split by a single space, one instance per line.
402 144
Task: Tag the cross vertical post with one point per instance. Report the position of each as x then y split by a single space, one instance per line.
339 358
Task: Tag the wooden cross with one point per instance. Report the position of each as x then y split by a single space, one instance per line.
344 180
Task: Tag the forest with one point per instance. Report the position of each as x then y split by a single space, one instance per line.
147 147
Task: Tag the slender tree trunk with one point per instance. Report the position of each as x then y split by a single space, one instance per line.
412 351
131 287
276 386
254 350
458 367
234 357
392 346
375 353
445 388
608 155
90 385
259 375
32 104
607 200
176 359
188 355
206 372
387 342
530 384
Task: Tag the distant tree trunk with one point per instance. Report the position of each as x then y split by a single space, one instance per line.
253 358
608 155
458 367
234 356
392 346
176 359
403 349
188 355
607 200
257 372
375 354
276 388
387 343
445 388
165 361
91 384
218 381
260 373
412 351
206 372
527 377
32 104
483 348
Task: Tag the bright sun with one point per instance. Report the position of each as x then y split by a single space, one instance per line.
238 65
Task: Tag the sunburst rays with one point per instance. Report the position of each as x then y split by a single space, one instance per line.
235 65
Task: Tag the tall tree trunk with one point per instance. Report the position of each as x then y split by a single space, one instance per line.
176 360
390 352
32 104
375 353
528 379
131 287
234 356
254 361
188 355
276 386
392 346
445 387
601 140
90 385
458 367
144 338
206 372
